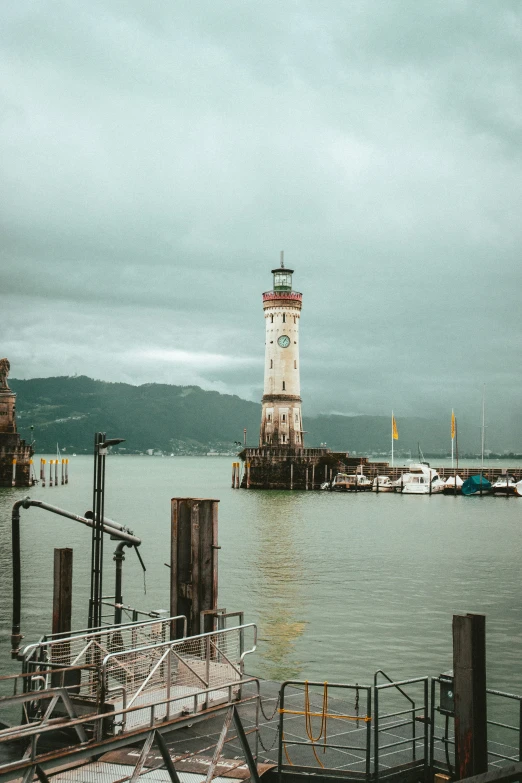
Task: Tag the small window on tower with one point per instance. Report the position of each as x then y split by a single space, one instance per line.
283 417
295 364
295 320
269 417
296 418
283 438
284 387
284 318
271 319
271 364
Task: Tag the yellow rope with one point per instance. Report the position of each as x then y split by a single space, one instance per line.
329 715
324 715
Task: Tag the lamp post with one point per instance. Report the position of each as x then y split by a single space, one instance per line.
101 445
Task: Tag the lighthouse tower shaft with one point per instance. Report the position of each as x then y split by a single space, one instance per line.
281 420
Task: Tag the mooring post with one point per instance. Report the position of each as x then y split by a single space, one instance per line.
55 472
291 475
313 477
248 475
469 671
67 470
62 590
42 471
63 471
233 475
13 480
194 562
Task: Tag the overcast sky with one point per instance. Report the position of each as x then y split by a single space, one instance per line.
157 156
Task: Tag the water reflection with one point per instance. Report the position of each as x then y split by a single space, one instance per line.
278 578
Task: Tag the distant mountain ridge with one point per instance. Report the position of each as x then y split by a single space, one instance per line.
187 419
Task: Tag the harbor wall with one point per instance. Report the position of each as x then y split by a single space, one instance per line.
307 469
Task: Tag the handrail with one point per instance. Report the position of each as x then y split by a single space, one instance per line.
184 640
380 671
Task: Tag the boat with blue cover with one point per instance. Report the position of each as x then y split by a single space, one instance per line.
475 485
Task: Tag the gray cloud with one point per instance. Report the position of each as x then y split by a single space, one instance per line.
156 157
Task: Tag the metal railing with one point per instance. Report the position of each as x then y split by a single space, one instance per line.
85 650
386 722
320 742
93 726
500 750
192 668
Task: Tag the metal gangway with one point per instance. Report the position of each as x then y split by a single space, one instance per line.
100 687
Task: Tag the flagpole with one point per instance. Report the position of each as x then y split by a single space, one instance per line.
392 439
452 437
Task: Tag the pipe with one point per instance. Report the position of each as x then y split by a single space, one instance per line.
123 535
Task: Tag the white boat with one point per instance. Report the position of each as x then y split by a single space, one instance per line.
418 481
518 488
345 482
449 485
385 484
499 487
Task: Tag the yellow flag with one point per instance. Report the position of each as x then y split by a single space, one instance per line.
452 425
395 432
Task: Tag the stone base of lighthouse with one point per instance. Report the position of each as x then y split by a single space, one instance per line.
15 454
15 474
283 467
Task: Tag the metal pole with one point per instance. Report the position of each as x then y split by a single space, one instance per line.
119 557
62 590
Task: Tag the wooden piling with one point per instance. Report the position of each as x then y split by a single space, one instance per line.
67 470
248 475
63 472
42 471
306 478
313 477
13 479
50 472
55 472
469 669
233 475
193 561
62 590
292 475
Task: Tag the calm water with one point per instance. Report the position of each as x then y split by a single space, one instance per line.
339 585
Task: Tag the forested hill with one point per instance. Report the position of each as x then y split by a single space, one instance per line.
187 419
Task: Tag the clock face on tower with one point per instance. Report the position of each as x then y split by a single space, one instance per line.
283 341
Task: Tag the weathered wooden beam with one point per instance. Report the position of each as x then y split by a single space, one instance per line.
193 572
62 590
469 671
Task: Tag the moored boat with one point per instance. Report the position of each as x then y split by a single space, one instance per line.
476 485
420 480
505 485
355 482
384 483
453 485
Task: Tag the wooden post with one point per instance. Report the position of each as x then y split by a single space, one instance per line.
50 472
292 475
67 470
13 480
313 476
469 670
326 472
248 475
55 472
42 469
233 475
306 478
193 561
63 471
62 590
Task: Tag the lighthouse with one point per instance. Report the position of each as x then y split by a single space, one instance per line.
281 420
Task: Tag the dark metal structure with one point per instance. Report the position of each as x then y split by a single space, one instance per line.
101 445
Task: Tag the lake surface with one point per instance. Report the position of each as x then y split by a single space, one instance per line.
340 585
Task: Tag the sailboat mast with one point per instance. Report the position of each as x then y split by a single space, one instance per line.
392 440
483 438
